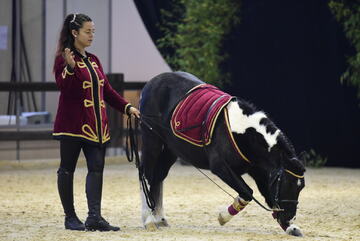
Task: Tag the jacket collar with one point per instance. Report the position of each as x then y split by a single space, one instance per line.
77 53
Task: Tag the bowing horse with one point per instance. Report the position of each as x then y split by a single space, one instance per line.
181 116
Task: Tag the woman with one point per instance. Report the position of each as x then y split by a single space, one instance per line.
81 121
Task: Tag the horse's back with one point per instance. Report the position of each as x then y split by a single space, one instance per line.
165 89
159 98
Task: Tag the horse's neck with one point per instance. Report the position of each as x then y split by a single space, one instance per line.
242 119
261 177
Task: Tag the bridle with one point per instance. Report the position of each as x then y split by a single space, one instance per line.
276 180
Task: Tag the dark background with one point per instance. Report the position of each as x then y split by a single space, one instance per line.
287 57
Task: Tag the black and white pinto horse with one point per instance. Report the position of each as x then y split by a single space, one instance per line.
270 157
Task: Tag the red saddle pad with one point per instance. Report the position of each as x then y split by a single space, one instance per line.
194 118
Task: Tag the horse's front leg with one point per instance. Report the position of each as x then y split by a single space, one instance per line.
155 172
159 215
156 216
229 212
149 188
239 185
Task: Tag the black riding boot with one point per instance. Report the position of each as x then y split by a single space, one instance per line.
65 187
93 193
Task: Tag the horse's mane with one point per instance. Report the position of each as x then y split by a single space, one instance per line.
248 107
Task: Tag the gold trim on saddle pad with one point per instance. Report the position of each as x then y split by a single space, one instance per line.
211 125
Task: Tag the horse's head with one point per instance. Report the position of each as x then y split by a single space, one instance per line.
285 184
280 181
275 166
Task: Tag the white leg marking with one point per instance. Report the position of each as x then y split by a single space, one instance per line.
294 230
159 209
147 217
224 216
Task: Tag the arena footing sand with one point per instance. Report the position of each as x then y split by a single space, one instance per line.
30 208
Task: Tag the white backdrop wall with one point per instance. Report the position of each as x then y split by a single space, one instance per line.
134 53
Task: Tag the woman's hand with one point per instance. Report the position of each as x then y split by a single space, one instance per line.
134 111
69 57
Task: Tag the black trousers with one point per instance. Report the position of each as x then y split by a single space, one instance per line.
95 160
70 151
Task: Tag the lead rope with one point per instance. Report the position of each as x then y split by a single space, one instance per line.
131 149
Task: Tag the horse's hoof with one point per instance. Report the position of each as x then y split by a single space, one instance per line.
294 231
150 224
151 227
163 223
223 219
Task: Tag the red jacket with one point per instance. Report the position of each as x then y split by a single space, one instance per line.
83 92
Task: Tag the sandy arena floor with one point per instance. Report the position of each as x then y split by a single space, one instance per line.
30 208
